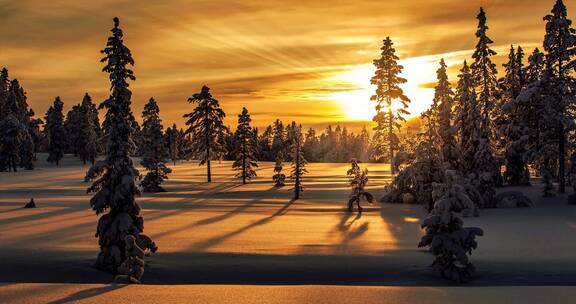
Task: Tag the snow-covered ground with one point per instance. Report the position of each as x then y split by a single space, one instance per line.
228 233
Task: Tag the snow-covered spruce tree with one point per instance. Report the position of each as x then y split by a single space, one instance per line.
72 127
560 47
55 132
486 84
444 100
87 140
467 118
279 178
114 185
17 103
298 164
205 124
446 236
10 128
278 138
154 152
245 153
358 178
511 121
391 103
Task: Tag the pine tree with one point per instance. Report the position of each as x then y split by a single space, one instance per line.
55 132
87 136
278 176
245 152
298 164
391 103
205 124
444 99
18 106
560 47
114 185
154 152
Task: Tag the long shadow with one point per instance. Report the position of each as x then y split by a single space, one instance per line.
200 246
87 293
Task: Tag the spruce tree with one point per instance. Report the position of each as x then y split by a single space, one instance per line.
205 124
114 178
444 99
298 164
484 72
10 128
55 132
245 153
174 143
87 136
154 152
18 106
535 66
391 103
358 179
467 118
560 47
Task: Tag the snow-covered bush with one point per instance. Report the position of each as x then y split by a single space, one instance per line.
358 179
279 178
446 237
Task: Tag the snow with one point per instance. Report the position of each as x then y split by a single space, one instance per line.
229 233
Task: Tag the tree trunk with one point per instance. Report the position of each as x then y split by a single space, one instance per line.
561 160
244 162
390 140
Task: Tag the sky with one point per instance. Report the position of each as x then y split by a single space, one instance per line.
309 61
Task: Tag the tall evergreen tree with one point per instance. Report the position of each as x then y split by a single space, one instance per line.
114 178
55 132
205 124
10 128
535 66
486 85
391 103
444 99
153 149
467 118
245 153
298 164
560 47
484 71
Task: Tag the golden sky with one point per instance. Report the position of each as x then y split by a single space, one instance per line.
308 61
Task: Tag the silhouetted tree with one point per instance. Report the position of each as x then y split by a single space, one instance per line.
391 103
55 132
298 164
154 152
87 136
278 177
173 140
245 159
205 124
114 185
358 178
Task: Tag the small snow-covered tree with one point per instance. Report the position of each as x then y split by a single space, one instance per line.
205 124
298 164
154 152
55 132
279 178
358 178
391 103
245 153
446 236
114 178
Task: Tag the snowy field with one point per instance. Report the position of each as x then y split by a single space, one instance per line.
228 233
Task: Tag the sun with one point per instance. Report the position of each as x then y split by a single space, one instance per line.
353 92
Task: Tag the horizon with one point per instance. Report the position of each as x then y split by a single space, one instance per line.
255 55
